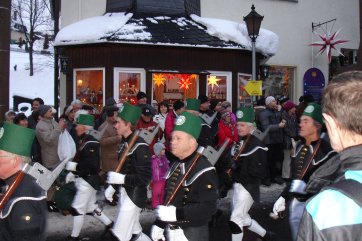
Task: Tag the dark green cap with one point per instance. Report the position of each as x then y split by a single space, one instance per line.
245 114
85 119
130 113
193 104
315 111
16 139
188 123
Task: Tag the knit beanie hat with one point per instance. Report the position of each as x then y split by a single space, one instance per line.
68 110
269 100
178 104
158 147
43 109
288 105
203 99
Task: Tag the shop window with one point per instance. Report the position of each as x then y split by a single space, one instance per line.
89 87
280 82
219 86
245 100
128 82
171 87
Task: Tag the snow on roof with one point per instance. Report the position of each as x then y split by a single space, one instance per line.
117 27
266 43
92 30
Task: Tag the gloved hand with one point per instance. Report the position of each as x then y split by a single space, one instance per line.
71 166
109 192
176 235
279 206
166 213
69 177
157 233
298 186
115 178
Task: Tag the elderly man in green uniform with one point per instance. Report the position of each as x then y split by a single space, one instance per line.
24 215
194 203
84 170
134 178
309 153
248 167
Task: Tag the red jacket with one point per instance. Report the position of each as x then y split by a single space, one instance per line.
169 125
227 131
141 124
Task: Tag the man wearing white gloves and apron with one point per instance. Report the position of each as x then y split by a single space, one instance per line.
194 203
308 154
87 180
248 167
134 178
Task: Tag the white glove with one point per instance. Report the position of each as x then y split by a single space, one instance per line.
115 178
166 213
69 177
298 186
176 235
157 233
71 166
109 192
279 206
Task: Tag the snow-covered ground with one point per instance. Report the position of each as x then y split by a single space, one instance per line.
41 84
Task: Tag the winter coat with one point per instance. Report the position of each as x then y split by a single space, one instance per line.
87 157
227 131
331 215
48 131
195 201
109 145
290 129
141 124
272 118
138 171
24 216
169 125
159 168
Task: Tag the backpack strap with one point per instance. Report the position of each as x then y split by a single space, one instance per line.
349 187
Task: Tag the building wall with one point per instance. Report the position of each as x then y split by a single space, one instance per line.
292 22
76 10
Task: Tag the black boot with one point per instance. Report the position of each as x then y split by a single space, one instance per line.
270 236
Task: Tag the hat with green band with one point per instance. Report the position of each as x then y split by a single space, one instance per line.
85 119
16 139
193 104
245 114
188 123
315 111
130 113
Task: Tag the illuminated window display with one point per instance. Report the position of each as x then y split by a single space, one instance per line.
216 87
89 87
171 87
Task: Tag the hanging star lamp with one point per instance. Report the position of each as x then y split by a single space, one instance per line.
184 83
158 79
328 43
212 80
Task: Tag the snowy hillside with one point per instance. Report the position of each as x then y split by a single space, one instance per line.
40 85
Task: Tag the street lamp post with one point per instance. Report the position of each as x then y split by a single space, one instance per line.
253 21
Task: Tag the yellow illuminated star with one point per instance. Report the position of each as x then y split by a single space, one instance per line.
159 79
212 80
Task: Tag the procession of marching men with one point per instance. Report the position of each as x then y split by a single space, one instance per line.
190 154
